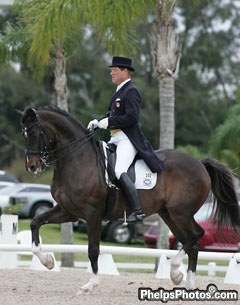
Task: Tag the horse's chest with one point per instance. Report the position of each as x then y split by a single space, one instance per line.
67 197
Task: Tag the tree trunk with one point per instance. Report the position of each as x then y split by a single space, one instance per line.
60 81
61 89
167 57
67 259
167 119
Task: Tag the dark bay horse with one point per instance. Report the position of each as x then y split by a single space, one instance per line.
55 137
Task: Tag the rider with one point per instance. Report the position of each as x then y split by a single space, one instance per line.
123 121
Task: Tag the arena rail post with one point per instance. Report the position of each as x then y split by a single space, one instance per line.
8 234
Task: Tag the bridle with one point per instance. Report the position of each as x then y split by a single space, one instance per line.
45 150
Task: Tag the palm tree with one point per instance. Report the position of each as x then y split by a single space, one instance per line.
167 57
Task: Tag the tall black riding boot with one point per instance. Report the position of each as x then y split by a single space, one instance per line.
132 196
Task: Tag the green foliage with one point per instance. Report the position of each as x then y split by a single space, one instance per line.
15 44
208 75
17 90
226 141
12 209
46 25
117 29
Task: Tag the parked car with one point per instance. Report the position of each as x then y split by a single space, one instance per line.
4 176
4 184
27 199
211 240
114 231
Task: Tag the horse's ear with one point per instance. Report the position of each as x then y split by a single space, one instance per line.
19 112
28 115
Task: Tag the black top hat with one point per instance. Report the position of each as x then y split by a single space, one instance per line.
122 62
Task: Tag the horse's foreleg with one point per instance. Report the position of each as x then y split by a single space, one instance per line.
93 253
55 215
94 235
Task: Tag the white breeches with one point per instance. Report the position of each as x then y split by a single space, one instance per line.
125 152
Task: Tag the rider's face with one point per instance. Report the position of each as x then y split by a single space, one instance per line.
119 75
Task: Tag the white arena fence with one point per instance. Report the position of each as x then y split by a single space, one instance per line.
128 251
105 251
10 250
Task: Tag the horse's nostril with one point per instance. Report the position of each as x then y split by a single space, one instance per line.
32 168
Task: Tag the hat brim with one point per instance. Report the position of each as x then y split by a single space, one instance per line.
122 66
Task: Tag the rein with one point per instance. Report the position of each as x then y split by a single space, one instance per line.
81 141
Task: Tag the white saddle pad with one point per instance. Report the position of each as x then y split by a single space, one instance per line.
145 178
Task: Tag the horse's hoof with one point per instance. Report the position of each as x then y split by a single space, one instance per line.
190 285
83 291
190 282
89 286
176 277
49 262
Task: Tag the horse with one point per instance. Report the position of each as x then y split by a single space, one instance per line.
53 136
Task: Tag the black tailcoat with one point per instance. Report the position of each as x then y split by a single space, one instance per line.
124 113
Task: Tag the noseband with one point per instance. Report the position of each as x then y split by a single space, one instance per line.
45 149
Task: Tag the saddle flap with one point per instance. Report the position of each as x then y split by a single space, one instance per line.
145 178
139 172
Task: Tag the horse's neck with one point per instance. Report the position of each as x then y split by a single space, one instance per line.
82 154
63 125
75 149
81 168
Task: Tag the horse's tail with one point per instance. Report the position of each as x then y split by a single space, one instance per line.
226 207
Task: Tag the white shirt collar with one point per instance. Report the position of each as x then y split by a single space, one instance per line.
122 84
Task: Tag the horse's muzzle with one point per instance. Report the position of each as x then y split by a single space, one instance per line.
33 164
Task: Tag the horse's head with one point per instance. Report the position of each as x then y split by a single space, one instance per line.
38 142
51 135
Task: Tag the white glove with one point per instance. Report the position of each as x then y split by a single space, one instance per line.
103 123
92 125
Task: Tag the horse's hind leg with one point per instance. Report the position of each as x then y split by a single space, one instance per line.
191 249
55 215
192 232
192 264
175 273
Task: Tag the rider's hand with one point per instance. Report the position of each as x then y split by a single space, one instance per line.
92 125
103 123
